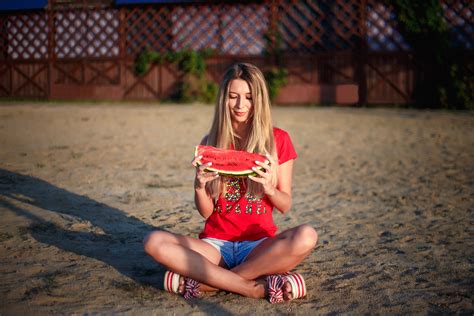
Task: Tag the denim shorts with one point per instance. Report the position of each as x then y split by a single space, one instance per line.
233 252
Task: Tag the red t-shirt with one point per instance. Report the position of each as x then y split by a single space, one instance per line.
239 215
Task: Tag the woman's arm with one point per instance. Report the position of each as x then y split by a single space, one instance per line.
202 199
281 197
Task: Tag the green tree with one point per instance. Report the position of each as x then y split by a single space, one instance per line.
441 79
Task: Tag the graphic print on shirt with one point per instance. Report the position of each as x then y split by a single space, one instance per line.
234 191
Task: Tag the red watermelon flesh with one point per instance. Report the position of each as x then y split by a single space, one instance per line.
229 162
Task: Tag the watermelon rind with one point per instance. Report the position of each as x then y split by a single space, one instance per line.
240 173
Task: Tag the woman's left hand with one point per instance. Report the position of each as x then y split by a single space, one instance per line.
268 176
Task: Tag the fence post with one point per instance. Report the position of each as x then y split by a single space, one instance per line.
122 54
361 53
50 48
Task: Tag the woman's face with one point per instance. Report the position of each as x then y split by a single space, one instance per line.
240 101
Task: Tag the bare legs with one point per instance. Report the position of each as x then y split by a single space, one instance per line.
200 261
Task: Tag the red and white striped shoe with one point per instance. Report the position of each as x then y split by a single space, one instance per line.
171 284
277 281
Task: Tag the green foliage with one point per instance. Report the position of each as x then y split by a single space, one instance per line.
195 86
273 44
421 17
209 92
145 59
458 94
276 78
191 62
441 76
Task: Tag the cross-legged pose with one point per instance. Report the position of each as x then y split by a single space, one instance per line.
239 249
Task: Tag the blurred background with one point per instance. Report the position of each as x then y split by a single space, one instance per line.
352 52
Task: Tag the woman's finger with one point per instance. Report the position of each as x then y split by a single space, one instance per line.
260 172
202 168
195 160
204 177
263 165
209 175
271 159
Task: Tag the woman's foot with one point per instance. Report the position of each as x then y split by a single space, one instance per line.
287 292
285 287
182 285
262 290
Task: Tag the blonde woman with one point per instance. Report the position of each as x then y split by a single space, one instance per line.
239 249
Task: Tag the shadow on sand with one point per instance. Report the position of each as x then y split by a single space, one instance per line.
112 236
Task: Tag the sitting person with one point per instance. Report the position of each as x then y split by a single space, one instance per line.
239 249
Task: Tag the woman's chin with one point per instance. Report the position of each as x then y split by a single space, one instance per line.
240 119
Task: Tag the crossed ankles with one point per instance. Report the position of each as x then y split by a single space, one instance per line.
279 287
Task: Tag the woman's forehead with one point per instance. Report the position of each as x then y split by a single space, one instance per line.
239 86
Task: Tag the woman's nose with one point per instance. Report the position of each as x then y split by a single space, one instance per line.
238 102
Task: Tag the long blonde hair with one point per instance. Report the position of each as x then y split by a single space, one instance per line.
260 136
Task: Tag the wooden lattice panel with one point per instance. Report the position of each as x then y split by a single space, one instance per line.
244 27
228 29
82 33
196 27
148 27
382 33
459 16
26 36
312 26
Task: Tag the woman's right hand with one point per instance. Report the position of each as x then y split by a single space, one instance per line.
202 176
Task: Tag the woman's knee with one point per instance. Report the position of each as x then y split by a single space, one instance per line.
154 241
305 238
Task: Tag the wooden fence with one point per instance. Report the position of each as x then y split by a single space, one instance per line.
339 51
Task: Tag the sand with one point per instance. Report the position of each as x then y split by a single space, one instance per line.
389 191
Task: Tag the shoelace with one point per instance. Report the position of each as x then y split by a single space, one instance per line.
275 288
192 289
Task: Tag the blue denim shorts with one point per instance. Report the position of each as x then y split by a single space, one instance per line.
233 252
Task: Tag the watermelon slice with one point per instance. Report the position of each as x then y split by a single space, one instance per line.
229 162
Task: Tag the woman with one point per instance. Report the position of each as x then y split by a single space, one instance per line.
239 250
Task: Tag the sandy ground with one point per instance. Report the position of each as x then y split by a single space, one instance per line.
390 193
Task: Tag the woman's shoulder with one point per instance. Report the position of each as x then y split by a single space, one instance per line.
279 133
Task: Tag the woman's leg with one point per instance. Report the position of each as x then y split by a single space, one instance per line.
279 254
197 260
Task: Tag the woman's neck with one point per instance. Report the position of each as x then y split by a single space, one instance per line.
241 129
